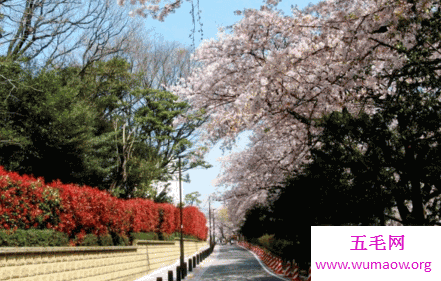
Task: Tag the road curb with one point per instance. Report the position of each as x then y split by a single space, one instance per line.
203 266
267 269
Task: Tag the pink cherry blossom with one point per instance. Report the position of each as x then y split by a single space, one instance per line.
274 72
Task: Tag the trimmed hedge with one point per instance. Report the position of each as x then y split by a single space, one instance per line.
286 249
143 236
33 238
275 245
168 214
26 202
53 238
177 235
194 222
105 240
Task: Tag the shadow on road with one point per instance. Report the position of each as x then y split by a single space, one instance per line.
235 263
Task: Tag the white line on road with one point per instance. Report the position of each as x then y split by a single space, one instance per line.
264 266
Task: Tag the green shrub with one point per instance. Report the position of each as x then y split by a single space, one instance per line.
90 240
283 246
167 237
254 241
280 247
266 241
191 237
106 240
119 240
17 239
59 239
37 238
123 241
3 238
33 238
177 235
157 236
143 236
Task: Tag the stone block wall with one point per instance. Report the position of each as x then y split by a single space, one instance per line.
91 263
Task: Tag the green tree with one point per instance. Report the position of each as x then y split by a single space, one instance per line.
223 223
179 205
365 167
389 158
346 181
145 141
162 197
57 126
94 126
257 222
151 126
192 198
11 80
410 150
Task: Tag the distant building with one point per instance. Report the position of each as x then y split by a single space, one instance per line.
172 190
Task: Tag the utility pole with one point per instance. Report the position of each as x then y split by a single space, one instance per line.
180 207
209 218
214 229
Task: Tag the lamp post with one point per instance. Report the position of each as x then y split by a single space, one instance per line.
181 224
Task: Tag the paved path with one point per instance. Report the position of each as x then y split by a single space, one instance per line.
163 271
232 263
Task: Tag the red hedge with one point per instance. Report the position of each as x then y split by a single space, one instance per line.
27 202
83 209
143 213
169 215
194 222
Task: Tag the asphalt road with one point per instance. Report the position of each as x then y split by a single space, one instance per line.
232 262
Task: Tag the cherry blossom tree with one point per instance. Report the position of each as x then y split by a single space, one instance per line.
56 32
224 226
277 76
154 10
159 13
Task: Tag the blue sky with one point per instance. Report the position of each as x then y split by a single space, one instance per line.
214 13
177 27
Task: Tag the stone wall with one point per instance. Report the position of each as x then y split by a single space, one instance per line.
91 263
